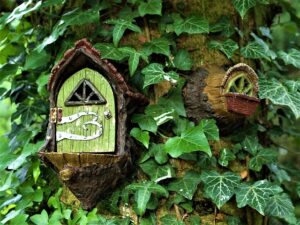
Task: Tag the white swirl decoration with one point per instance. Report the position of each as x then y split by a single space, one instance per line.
61 135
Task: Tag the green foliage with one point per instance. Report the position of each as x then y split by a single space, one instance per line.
158 46
254 50
183 60
280 206
21 11
190 140
290 58
223 26
121 25
154 73
182 165
264 156
145 122
220 187
134 58
170 220
40 218
150 7
143 192
210 129
187 185
157 173
242 6
256 195
71 18
228 47
226 156
109 51
191 25
284 94
141 136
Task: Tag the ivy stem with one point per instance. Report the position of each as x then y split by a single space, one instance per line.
266 220
247 165
51 11
241 38
147 32
249 216
178 215
215 212
162 135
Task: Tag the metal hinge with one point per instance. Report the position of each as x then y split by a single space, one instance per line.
55 115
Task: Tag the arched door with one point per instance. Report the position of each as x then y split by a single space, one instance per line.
86 108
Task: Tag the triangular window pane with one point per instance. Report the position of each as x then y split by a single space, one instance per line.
85 93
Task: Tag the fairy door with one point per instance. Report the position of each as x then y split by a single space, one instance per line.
86 114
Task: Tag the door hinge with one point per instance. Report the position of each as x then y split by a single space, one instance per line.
55 114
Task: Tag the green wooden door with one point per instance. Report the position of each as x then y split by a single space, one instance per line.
88 122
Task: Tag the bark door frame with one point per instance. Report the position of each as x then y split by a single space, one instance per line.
91 132
81 58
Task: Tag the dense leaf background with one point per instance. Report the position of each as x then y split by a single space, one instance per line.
185 173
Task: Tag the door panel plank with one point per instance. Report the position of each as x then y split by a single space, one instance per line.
104 143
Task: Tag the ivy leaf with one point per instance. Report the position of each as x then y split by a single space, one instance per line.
6 157
210 129
191 25
254 50
154 73
269 53
290 58
36 170
256 195
192 139
7 69
40 219
36 59
158 46
250 144
143 193
226 156
160 113
28 150
160 156
242 6
220 187
19 219
151 7
145 122
170 220
22 10
174 100
233 220
279 174
49 3
183 60
187 185
224 26
74 17
181 124
6 179
281 206
263 157
228 47
109 51
134 58
283 94
141 136
157 173
120 26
